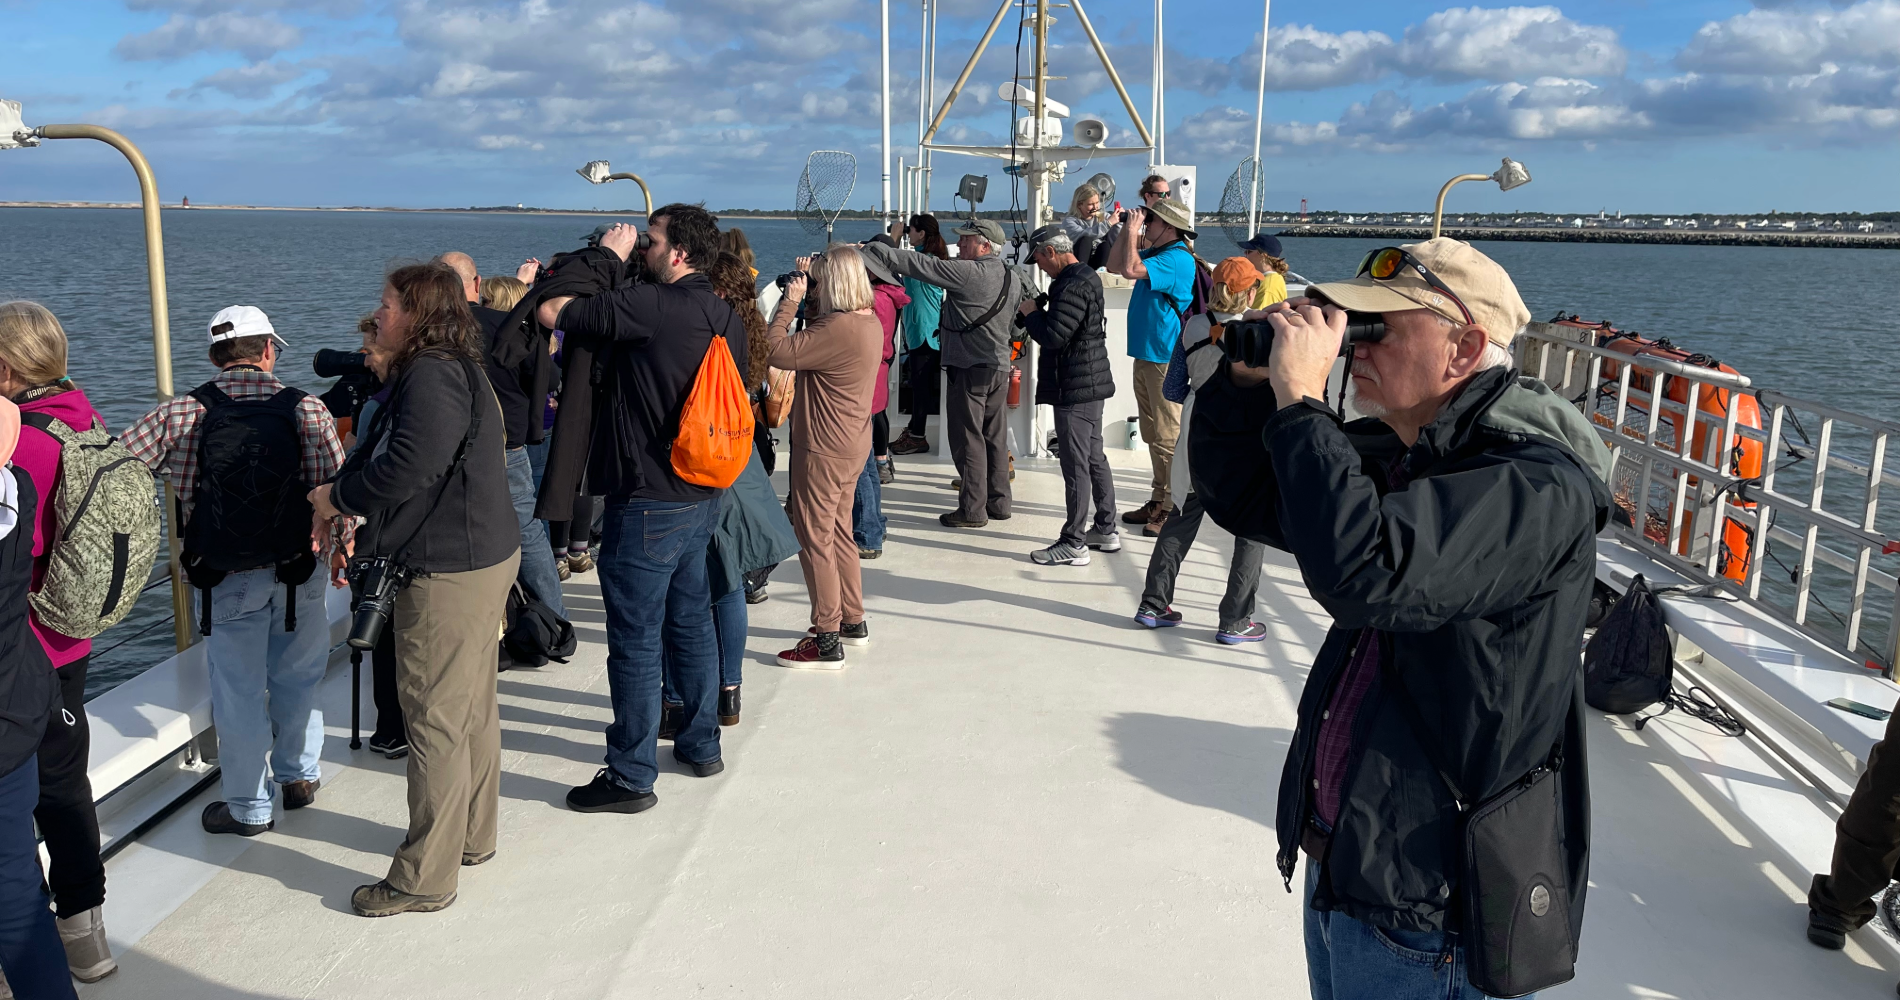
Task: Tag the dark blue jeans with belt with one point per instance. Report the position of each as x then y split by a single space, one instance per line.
652 565
30 950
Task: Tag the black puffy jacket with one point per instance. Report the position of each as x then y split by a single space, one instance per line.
1073 333
1477 575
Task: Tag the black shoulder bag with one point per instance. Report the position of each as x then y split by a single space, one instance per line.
1512 907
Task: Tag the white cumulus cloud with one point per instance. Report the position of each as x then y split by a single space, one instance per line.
254 37
1509 43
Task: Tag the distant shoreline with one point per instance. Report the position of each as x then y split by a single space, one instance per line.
353 208
1851 241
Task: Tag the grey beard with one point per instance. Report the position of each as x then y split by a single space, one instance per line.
1360 403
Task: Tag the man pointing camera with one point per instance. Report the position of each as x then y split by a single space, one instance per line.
1452 540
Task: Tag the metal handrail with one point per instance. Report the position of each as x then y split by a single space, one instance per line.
1701 492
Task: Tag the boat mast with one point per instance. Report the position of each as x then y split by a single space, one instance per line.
1259 118
884 107
1038 164
1160 104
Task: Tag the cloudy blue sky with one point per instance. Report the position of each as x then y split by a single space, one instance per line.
1632 105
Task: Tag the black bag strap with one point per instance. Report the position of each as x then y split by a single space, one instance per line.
1002 297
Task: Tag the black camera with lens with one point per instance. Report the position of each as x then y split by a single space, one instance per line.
1250 342
378 580
330 363
789 277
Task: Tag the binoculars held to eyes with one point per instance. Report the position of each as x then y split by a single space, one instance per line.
1250 342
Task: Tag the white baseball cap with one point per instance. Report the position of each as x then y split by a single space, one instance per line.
233 322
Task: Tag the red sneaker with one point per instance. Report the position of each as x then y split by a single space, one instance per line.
821 652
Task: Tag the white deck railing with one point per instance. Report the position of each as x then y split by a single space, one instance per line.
1701 484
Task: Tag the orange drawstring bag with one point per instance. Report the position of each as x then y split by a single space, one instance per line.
715 437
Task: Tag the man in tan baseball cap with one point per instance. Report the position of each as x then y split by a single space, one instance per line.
1455 550
1449 312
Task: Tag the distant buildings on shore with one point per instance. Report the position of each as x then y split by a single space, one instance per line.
1844 222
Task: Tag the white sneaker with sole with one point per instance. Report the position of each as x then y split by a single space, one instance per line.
87 954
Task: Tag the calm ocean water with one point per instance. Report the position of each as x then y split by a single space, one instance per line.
1811 322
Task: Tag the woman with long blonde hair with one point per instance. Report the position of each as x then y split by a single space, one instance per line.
836 358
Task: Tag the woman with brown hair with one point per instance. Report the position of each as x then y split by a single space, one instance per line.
836 358
923 355
430 479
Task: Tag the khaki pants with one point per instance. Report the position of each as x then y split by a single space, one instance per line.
819 506
1160 423
447 626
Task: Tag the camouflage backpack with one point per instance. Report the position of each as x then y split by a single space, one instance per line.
105 513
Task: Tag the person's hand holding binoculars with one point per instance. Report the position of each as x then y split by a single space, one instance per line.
621 239
795 288
1306 339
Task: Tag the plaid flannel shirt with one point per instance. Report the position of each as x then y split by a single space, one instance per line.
166 439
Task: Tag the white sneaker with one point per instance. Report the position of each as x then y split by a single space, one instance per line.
1060 555
88 956
1110 541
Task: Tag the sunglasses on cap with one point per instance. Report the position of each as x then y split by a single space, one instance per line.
1387 263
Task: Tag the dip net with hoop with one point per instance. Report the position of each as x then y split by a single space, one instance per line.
1245 188
824 186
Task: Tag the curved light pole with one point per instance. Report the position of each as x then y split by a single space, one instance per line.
15 134
597 172
1511 174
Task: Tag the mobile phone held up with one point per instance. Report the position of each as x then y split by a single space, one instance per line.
1856 708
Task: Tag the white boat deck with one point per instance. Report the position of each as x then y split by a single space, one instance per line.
1014 793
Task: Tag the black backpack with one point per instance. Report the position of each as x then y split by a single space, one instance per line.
1627 665
251 507
534 633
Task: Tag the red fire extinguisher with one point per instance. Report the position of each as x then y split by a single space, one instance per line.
1015 388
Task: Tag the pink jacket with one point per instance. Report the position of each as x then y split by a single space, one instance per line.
887 299
38 454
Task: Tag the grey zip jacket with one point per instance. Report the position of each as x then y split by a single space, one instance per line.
970 288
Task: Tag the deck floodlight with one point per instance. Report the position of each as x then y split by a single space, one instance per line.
595 171
1511 174
1105 184
973 187
13 131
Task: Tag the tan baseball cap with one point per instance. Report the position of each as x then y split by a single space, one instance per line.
1478 281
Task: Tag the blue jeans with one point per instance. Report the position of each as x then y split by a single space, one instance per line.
867 509
538 458
264 686
652 565
729 626
537 572
30 952
1350 960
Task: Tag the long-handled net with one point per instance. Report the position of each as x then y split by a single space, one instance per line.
823 188
1245 190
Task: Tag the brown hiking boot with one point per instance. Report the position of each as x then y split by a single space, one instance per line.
298 794
1142 514
1153 528
385 900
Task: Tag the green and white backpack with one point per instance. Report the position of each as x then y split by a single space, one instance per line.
106 513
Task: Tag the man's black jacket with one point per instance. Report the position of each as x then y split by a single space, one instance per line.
1477 575
651 339
1073 332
